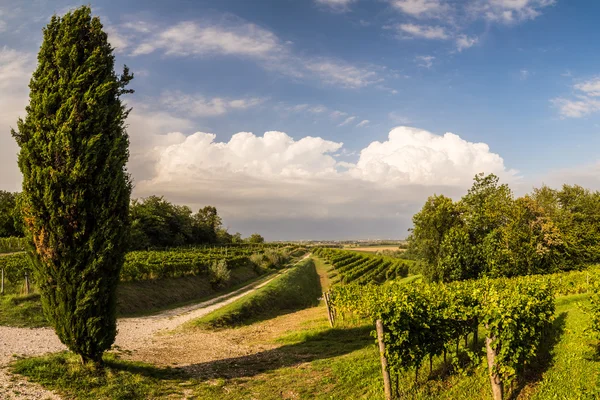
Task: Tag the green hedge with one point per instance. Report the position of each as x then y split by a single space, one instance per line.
296 288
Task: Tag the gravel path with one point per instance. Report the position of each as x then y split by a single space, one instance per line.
133 333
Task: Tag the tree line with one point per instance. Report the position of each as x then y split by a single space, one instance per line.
155 223
489 232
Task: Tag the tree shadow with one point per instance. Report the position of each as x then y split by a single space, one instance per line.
545 358
317 346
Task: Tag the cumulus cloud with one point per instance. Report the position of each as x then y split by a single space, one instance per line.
586 100
275 176
423 31
412 155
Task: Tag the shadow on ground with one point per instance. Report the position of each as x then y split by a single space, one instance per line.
317 346
545 358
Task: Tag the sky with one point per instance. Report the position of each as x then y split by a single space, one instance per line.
335 119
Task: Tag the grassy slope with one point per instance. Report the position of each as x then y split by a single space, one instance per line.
313 361
294 289
134 298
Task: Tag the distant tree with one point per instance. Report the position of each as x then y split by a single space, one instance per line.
207 223
159 223
237 238
430 226
75 200
255 238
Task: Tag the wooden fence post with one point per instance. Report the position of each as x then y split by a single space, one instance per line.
329 315
26 283
387 387
494 378
2 288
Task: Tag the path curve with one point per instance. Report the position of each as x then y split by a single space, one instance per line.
133 333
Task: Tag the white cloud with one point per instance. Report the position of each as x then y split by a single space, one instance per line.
343 74
190 38
591 87
347 121
248 41
586 100
424 61
424 31
412 155
464 42
421 8
118 41
336 5
200 106
338 114
524 74
255 179
509 11
363 123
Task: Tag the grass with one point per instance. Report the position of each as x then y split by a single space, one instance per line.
296 288
118 380
313 361
22 311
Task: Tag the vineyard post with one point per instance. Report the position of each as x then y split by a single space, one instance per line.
494 378
329 316
2 288
26 283
387 387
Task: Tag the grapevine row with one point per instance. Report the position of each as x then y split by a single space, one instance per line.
349 266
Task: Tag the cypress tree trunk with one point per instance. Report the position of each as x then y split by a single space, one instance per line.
76 189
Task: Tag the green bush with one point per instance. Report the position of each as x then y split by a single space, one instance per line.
295 289
219 274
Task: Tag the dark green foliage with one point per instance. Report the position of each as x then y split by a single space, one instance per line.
157 223
10 216
490 233
75 200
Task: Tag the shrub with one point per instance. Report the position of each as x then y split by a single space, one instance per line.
219 274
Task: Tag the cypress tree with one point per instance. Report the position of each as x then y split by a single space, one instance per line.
76 189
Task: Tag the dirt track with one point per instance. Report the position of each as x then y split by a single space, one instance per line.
133 333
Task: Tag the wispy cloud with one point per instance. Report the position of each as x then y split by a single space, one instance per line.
248 41
508 11
363 123
347 121
423 31
424 61
421 8
585 101
200 106
336 5
464 42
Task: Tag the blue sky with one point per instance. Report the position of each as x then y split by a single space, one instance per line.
515 82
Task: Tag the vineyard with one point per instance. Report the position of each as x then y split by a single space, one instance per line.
359 268
427 320
150 265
